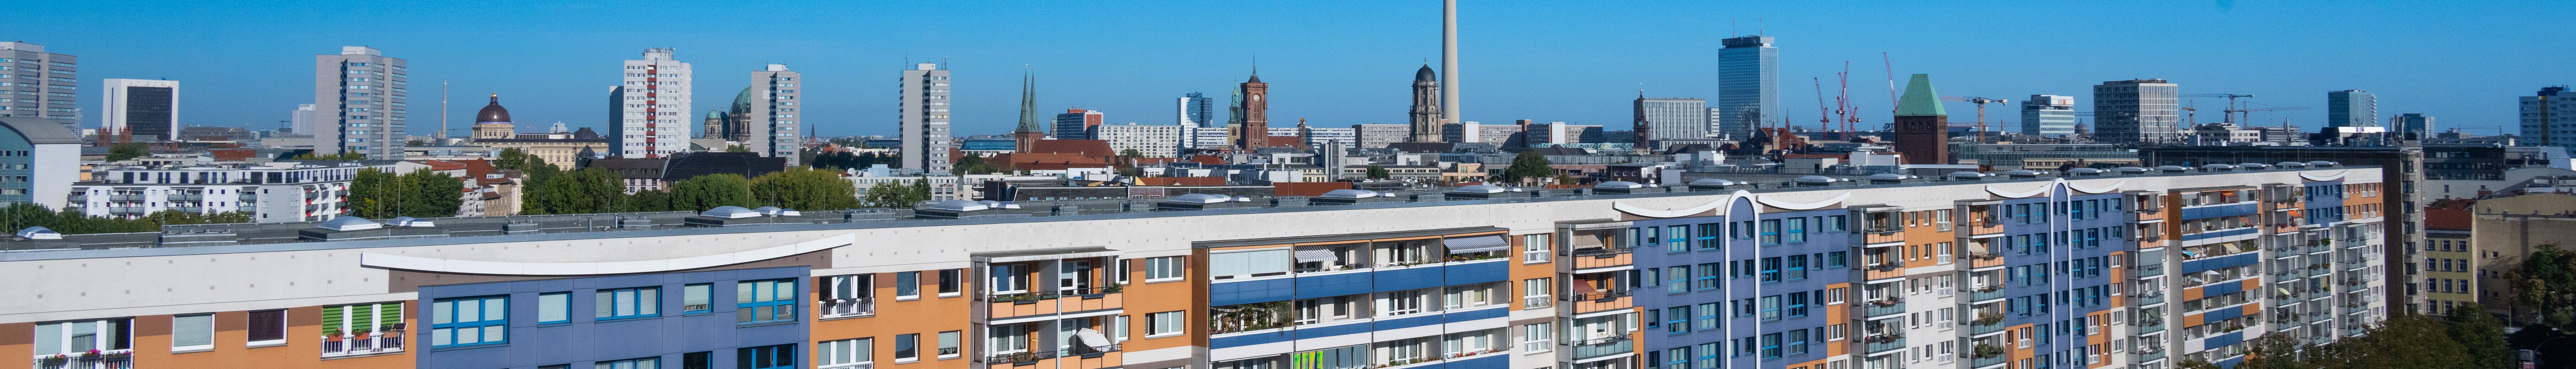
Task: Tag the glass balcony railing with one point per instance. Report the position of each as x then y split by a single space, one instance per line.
1603 347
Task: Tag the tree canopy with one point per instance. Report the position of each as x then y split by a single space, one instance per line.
1527 167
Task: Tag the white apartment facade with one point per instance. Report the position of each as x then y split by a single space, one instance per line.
365 96
1158 141
774 120
653 107
924 114
272 192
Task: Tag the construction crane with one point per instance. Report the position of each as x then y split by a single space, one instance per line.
2230 110
1824 114
1981 111
2249 114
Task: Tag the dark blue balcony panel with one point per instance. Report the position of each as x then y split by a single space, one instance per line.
1409 278
2222 314
1409 322
2207 212
1471 315
1250 339
2221 288
2222 340
2217 234
2205 264
1486 361
2231 363
1332 330
1490 271
1245 292
1334 285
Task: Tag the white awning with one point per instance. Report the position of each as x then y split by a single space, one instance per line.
1976 248
1463 245
1093 338
1315 255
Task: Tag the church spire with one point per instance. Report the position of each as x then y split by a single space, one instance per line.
1028 103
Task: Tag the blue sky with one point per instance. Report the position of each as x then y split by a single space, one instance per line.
1331 62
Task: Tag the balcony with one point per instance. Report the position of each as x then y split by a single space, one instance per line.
1987 293
1601 347
1983 227
372 343
2149 270
1880 308
1598 258
2144 299
111 359
1050 303
1987 260
1078 357
1988 361
124 197
188 197
2147 355
1980 329
2149 325
1882 271
1883 236
1600 301
1875 344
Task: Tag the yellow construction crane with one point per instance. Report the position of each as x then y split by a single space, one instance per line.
1981 111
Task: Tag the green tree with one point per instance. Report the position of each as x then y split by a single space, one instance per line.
428 194
2483 338
585 191
805 189
737 148
897 194
1131 153
647 201
1378 172
710 191
128 150
511 159
2412 341
375 194
972 164
1528 167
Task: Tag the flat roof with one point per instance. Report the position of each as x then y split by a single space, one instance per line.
1344 237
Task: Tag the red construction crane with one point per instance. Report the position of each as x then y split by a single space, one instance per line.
1824 115
1981 111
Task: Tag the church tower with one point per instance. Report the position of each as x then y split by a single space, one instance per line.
1426 105
1031 130
1255 113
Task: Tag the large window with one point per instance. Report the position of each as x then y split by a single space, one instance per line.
624 303
951 282
765 301
1535 248
1008 278
1241 264
77 337
847 295
1534 293
696 298
1538 337
907 347
1163 324
1160 269
766 357
461 321
554 307
949 341
353 319
1771 232
194 332
267 327
849 353
642 363
907 285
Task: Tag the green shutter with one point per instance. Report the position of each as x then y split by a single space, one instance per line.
388 314
362 317
331 318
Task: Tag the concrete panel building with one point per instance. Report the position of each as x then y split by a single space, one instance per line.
1672 118
1159 141
47 84
651 109
140 109
923 118
772 116
2136 111
2352 108
2547 116
2048 115
362 97
39 158
1376 135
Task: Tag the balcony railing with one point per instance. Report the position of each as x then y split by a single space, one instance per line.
1988 361
1879 309
369 344
1987 293
1020 358
2146 299
1980 329
116 359
1086 351
1607 346
1882 343
1598 251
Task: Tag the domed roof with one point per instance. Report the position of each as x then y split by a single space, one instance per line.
2293 164
1425 74
1350 194
742 101
1814 179
1712 182
493 112
2084 170
959 205
2021 172
1201 198
1886 176
2254 166
348 223
729 212
1477 189
1967 174
1618 184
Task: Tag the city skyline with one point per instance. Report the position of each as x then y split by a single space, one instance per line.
1351 73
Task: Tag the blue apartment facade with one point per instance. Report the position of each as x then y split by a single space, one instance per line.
1744 289
745 318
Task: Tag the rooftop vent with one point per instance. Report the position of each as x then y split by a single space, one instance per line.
39 233
959 205
349 224
410 222
1200 198
1202 201
2022 173
2291 165
2132 170
1887 178
729 212
2217 168
2322 164
1815 181
1351 196
2084 172
2254 166
1483 189
1967 176
1618 184
2173 169
777 212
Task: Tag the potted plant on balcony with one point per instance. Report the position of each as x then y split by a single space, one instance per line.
53 360
1114 288
331 333
1990 288
1989 319
91 355
1987 351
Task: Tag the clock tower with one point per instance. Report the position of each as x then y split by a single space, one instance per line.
1922 128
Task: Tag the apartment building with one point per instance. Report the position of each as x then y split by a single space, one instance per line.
272 192
2018 270
652 105
367 96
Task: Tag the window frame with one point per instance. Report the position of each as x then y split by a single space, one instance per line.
1165 269
633 302
1155 327
251 333
705 301
208 337
564 307
444 309
907 348
907 286
952 282
1537 248
781 307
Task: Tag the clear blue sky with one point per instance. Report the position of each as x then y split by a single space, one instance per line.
1334 63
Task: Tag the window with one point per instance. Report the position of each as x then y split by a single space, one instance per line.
951 282
623 303
907 347
1796 230
78 337
698 360
1706 238
1707 278
1797 267
459 321
1163 324
1008 278
1837 259
1535 248
1534 293
694 298
641 363
267 328
1771 346
765 357
949 341
1119 330
192 332
1241 264
1771 232
907 285
1836 223
1708 316
764 301
1538 337
1770 270
554 307
1166 268
849 353
1680 279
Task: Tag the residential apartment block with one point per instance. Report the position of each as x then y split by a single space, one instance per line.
282 191
366 96
652 106
2129 268
35 83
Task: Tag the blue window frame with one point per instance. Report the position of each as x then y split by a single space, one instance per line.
1837 223
637 363
1677 319
1771 231
765 301
1680 281
1837 259
2039 242
1708 355
1677 358
1677 238
1771 308
555 307
469 321
1797 342
1797 269
1707 278
1770 346
1646 236
627 303
766 357
1708 316
2020 213
1795 230
1706 237
1771 270
1797 305
1654 318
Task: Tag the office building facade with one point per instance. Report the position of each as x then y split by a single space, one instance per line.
1748 85
1376 135
2136 111
39 84
1672 118
773 114
1157 141
40 158
2549 117
652 107
2048 115
1076 123
363 97
923 113
2089 270
2417 123
147 108
2352 108
1195 110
